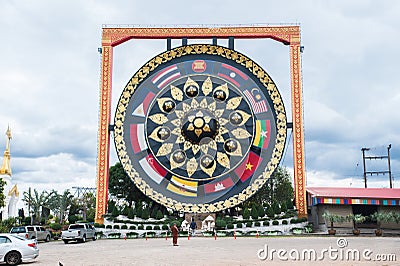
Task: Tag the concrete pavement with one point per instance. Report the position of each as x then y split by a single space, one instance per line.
301 250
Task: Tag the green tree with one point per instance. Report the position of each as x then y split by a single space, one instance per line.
246 214
131 213
270 212
145 214
261 211
36 201
159 215
60 203
278 188
2 196
115 212
275 207
122 187
284 206
254 213
283 188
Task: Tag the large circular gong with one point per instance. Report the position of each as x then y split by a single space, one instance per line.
200 128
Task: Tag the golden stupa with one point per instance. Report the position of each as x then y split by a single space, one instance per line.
6 167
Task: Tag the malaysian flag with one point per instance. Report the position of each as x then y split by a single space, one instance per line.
259 106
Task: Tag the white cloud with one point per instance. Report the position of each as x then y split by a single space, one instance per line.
50 71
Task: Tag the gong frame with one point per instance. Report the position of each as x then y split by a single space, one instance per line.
114 36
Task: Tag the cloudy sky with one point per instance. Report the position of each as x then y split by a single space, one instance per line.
50 72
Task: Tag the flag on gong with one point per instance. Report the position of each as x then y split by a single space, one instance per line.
262 137
247 168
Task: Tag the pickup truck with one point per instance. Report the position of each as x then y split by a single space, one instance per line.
79 232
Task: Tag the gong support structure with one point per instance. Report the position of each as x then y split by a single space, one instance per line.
114 36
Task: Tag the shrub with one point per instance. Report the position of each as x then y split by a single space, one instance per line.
266 223
293 221
257 223
116 226
284 222
124 226
220 224
140 227
229 226
156 227
115 235
132 227
149 227
55 226
249 224
275 222
183 233
109 226
132 234
165 227
239 225
177 222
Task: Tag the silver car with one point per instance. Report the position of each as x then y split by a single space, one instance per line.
32 232
15 249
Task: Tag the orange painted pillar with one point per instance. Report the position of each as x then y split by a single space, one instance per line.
103 145
298 128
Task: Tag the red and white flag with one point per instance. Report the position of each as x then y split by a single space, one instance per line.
138 140
153 169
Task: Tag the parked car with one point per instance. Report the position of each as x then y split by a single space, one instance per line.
79 232
15 249
32 232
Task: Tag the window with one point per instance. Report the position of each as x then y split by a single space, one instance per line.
4 240
17 230
30 229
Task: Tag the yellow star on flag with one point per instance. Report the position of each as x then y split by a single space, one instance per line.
249 166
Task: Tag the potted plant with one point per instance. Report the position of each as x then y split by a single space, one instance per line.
380 217
357 219
333 218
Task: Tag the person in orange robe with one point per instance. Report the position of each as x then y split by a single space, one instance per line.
175 232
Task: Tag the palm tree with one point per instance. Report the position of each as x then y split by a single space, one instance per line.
36 201
60 203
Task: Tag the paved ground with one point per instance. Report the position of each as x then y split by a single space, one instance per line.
223 251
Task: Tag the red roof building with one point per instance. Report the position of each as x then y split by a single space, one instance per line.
344 196
345 201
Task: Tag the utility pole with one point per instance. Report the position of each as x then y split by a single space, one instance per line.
389 171
365 170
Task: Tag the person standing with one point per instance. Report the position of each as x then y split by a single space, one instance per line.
193 226
175 232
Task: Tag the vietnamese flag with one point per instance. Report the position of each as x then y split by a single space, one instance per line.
247 168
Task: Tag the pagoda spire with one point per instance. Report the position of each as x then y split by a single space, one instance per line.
6 167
